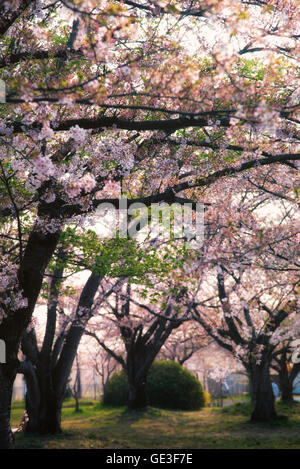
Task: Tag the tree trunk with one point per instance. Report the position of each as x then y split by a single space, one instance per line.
285 380
52 378
263 397
8 372
50 415
38 252
137 366
286 386
251 391
43 406
6 386
33 395
287 393
76 403
137 395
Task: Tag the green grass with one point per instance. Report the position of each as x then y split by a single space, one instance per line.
242 397
103 427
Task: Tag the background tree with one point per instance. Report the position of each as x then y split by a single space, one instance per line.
143 329
76 388
286 370
184 342
252 296
104 365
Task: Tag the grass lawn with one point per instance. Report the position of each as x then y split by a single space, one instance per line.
99 427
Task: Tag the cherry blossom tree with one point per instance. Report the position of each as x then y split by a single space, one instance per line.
70 307
47 369
248 301
143 329
184 343
213 365
104 365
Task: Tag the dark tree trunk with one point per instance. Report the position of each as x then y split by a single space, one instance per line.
263 397
6 386
285 381
37 255
76 403
33 395
138 364
77 388
141 353
251 391
286 388
43 406
10 333
43 402
137 395
52 376
50 415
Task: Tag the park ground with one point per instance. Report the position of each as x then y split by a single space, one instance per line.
98 427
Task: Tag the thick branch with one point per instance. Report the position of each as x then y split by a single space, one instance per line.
9 15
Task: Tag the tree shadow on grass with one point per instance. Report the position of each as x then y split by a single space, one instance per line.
283 417
133 416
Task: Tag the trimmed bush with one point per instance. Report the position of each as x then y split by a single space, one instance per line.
116 391
169 386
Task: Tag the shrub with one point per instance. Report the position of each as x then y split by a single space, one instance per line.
207 398
116 391
169 386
